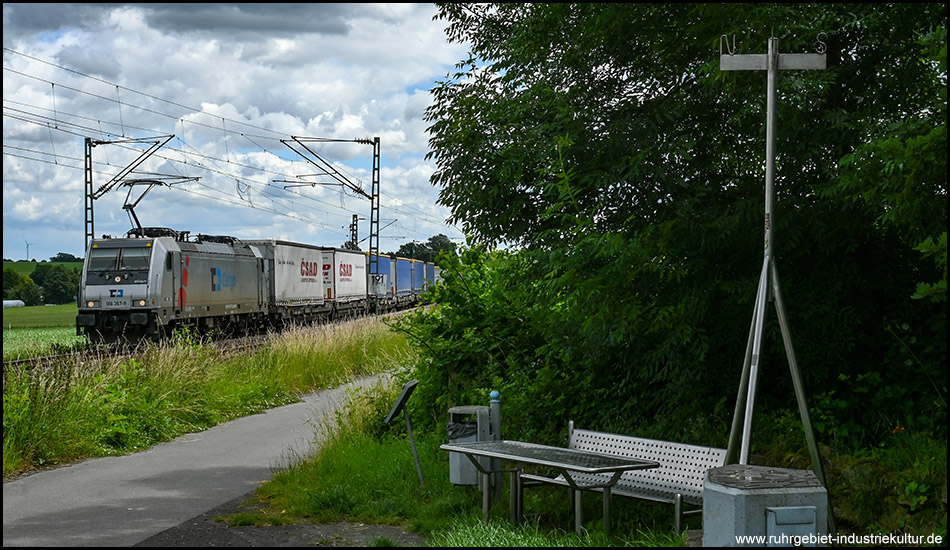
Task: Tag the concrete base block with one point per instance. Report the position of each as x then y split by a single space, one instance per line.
747 505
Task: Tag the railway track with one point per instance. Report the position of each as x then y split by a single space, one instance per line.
119 353
226 346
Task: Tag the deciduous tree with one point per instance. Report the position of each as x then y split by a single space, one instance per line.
604 141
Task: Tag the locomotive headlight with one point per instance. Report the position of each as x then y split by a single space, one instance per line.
141 303
92 303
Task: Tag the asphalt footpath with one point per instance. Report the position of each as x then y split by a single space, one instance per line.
125 500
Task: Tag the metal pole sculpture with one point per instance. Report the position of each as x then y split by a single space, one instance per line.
769 288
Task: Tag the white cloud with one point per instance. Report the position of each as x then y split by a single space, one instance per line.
230 81
29 210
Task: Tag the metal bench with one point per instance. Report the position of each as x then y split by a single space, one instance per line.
678 480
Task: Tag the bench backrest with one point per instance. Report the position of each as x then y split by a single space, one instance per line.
682 467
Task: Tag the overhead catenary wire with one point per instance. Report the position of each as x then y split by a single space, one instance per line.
80 125
196 161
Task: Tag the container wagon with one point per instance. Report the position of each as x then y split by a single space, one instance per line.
293 281
344 280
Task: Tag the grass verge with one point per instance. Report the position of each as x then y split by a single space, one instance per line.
365 472
66 411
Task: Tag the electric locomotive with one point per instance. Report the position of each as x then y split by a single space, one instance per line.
155 279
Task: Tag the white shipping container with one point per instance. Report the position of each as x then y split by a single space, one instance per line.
298 275
344 275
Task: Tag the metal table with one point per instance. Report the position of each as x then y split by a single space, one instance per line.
561 459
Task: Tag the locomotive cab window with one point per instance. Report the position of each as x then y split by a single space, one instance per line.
103 259
134 259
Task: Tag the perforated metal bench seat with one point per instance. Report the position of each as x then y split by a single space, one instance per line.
678 480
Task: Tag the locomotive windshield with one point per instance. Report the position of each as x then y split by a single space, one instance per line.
103 259
121 259
134 259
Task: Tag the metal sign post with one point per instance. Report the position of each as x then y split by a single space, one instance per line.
769 287
401 406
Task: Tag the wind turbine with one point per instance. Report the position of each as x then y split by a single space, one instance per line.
27 248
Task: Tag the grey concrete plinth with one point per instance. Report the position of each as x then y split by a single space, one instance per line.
747 505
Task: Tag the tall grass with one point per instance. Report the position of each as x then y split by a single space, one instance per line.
469 532
323 356
65 411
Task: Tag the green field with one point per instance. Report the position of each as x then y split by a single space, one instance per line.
38 330
40 316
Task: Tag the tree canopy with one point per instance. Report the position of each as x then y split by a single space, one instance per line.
604 142
428 251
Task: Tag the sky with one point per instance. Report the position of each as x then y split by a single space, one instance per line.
222 91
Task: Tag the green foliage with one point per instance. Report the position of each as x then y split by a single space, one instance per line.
23 288
10 280
65 257
37 283
898 488
627 167
132 417
428 251
936 291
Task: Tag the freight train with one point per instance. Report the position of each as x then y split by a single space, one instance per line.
154 280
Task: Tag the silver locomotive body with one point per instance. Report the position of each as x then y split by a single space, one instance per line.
145 287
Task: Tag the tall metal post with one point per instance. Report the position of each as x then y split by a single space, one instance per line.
374 224
494 407
90 217
769 288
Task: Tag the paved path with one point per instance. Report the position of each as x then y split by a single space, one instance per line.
121 501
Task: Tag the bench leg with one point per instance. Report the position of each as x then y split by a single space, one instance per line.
515 496
486 495
607 510
578 511
678 512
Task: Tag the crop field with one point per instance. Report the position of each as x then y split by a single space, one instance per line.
38 330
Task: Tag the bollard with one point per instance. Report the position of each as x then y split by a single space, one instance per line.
495 420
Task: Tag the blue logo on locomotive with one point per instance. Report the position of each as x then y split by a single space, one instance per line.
116 292
221 279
